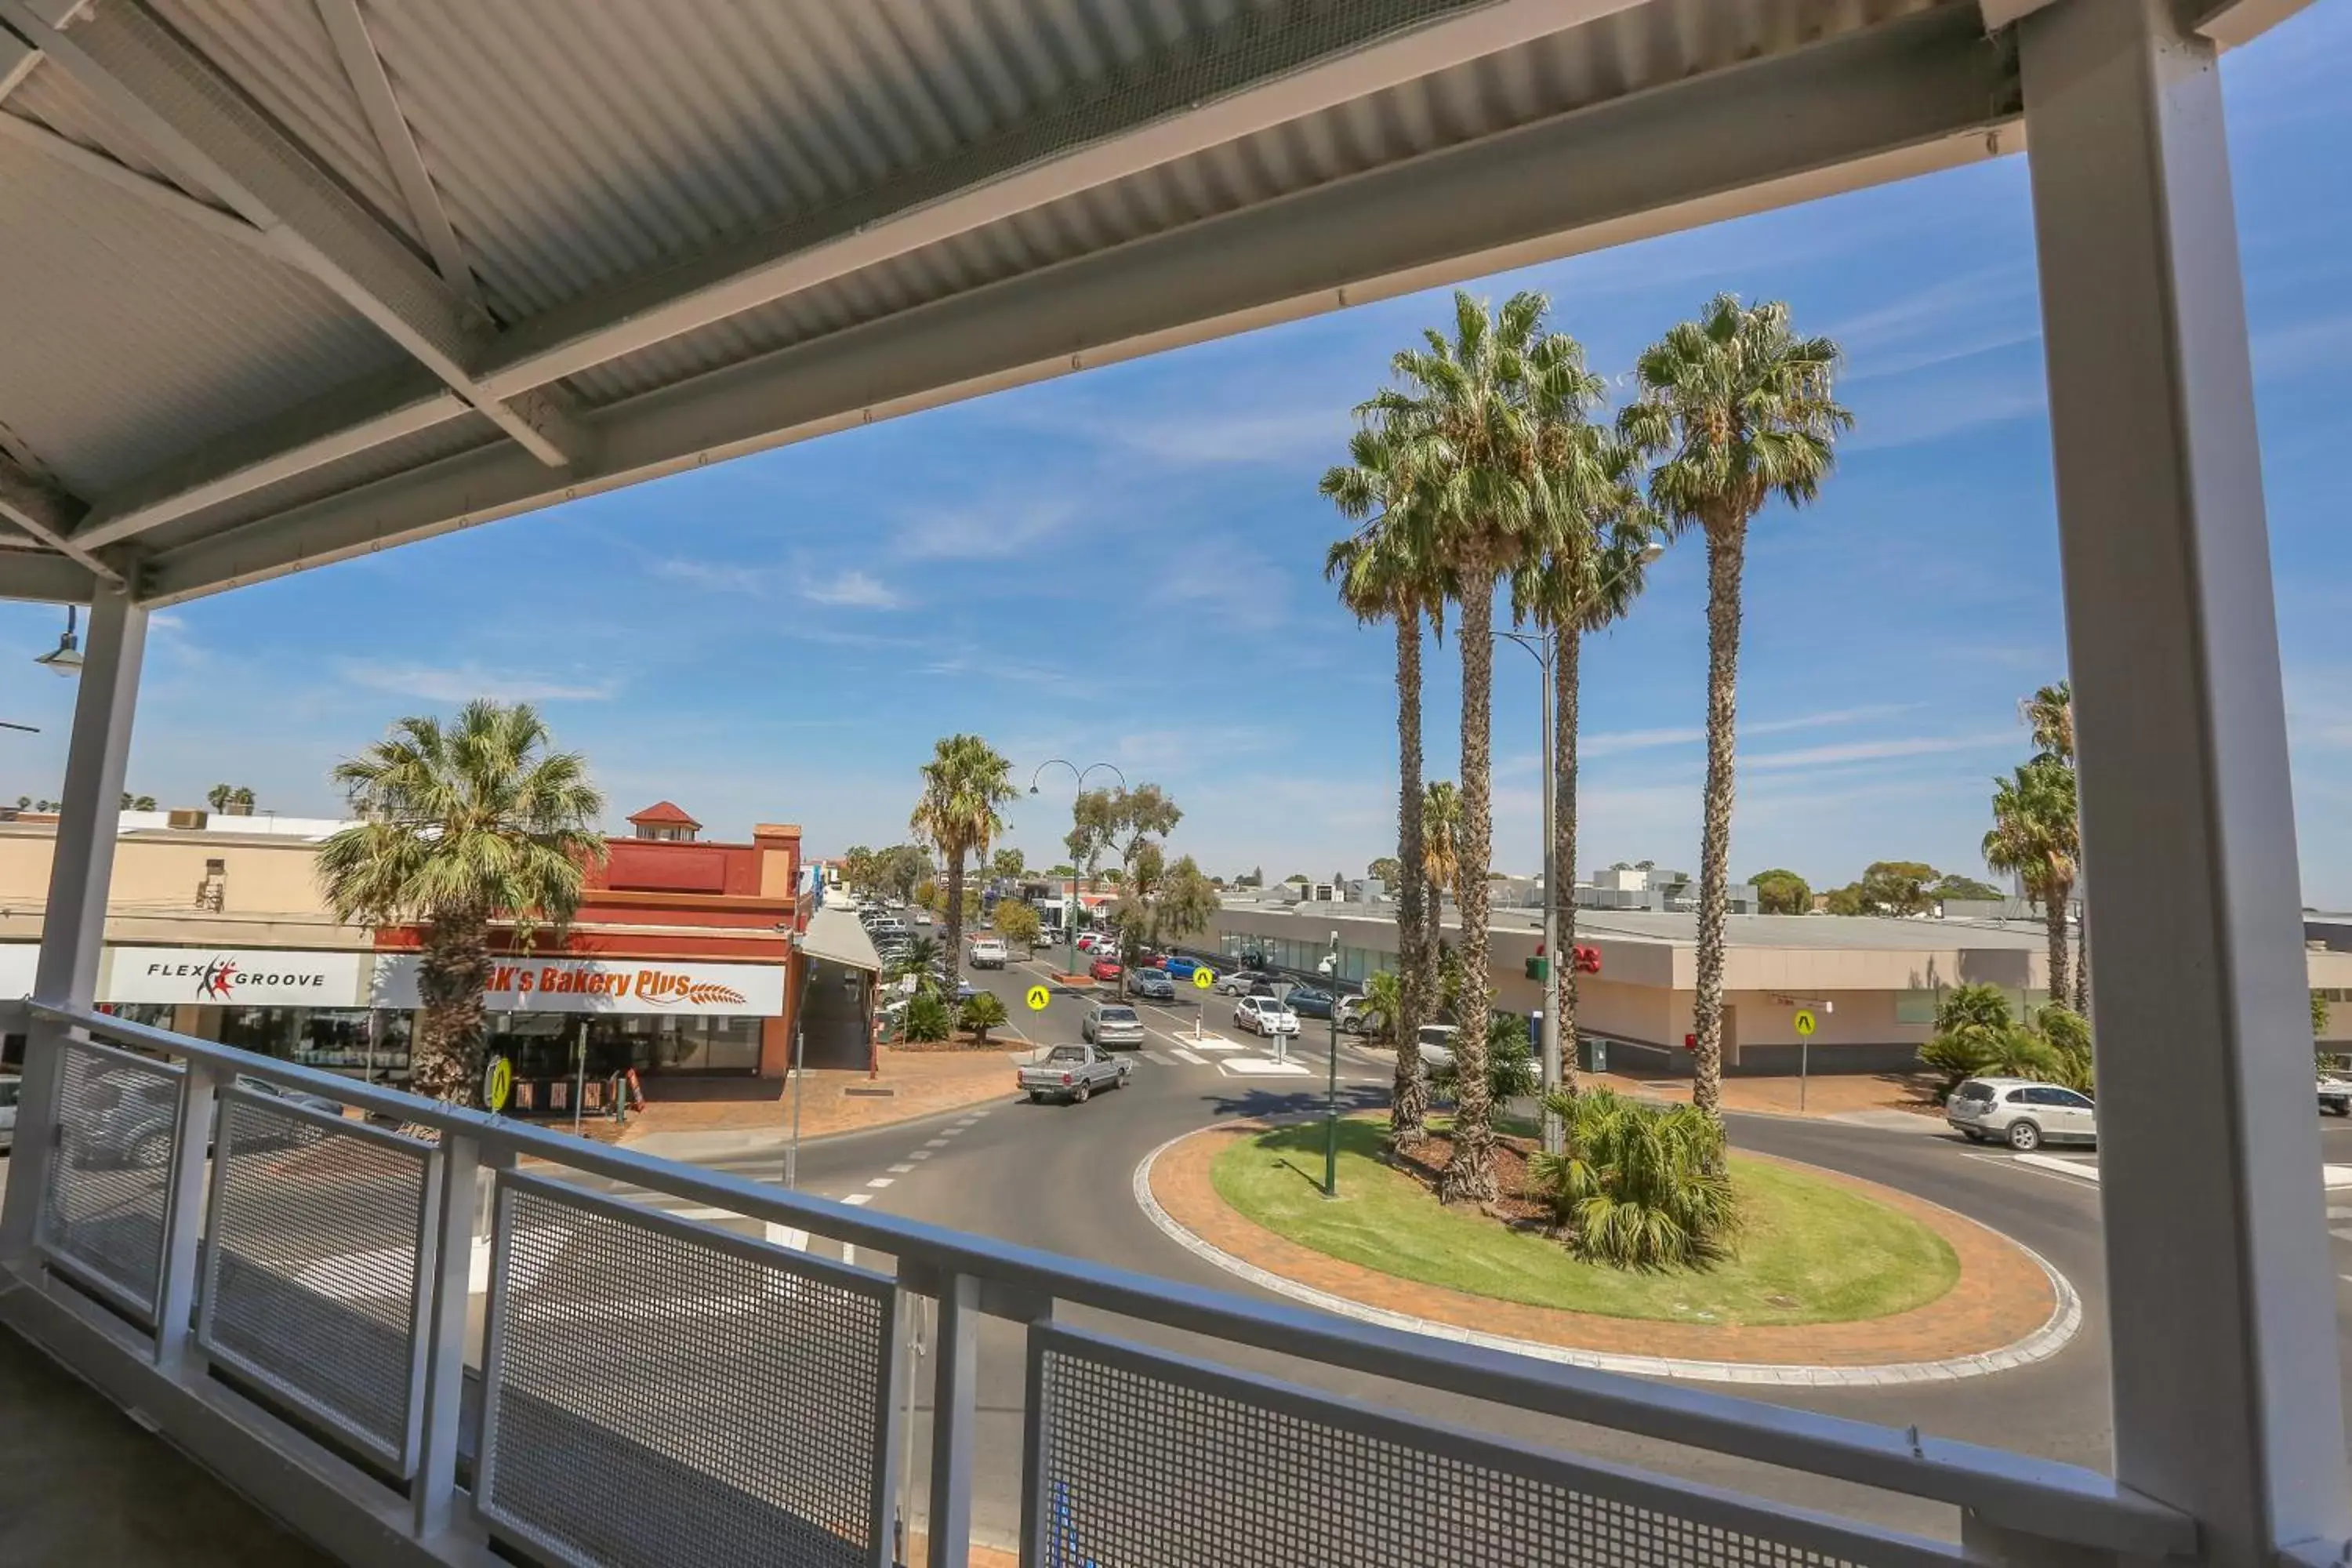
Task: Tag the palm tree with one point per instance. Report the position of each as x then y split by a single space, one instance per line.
1735 409
1441 854
1387 571
1476 419
1588 575
2050 714
964 784
2034 834
461 825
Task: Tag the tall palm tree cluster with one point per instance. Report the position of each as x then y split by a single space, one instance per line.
1490 461
2037 833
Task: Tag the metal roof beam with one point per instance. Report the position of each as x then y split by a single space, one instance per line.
47 579
156 192
893 221
348 30
199 125
34 503
1925 92
18 59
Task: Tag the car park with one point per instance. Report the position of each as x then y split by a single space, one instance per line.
989 953
1073 1073
1111 1023
1265 1015
1152 983
2020 1113
1104 968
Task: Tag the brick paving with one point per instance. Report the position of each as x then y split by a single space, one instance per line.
2001 1296
922 1083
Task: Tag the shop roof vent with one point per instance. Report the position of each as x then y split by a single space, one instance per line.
181 816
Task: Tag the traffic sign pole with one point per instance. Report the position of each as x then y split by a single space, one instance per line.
1804 1022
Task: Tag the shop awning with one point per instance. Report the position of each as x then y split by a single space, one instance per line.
834 936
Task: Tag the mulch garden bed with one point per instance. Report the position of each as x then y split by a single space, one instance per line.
960 1040
1425 1160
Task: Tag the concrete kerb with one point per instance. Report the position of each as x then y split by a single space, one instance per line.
2064 1320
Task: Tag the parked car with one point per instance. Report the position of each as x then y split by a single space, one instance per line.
10 1089
125 1120
2334 1098
1104 968
1153 984
1148 959
2020 1113
1356 1015
1097 942
1308 1001
1436 1044
1239 981
1073 1073
1182 968
1111 1023
989 953
1265 1015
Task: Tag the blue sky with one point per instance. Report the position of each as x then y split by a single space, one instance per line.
1126 565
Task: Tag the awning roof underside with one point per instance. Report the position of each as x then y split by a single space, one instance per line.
284 283
835 936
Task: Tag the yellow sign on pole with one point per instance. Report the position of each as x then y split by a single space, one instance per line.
1804 1021
497 1083
1038 997
1204 978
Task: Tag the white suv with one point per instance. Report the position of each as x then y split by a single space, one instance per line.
2021 1113
989 952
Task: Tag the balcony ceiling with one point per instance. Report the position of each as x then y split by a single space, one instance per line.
284 284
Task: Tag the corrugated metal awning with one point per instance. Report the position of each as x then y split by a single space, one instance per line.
834 936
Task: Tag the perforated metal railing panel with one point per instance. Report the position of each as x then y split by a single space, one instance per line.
102 1214
313 1253
1145 1461
659 1392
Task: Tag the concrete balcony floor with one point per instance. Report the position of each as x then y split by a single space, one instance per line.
80 1483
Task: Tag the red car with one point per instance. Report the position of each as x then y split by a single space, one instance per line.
1104 969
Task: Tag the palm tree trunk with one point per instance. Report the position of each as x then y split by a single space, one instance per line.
1566 675
452 974
1469 1175
2054 894
1727 548
1409 1097
2083 965
955 917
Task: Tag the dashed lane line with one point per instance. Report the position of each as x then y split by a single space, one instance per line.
880 1182
1185 1056
856 1200
901 1170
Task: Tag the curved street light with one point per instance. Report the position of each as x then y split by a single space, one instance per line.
1078 776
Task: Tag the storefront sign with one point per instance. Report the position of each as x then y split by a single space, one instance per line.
679 989
232 977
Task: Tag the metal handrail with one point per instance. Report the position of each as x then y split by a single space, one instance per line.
2040 1498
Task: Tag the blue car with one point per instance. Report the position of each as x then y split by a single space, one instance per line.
1181 968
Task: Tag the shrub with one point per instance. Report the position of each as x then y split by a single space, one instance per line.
1637 1187
2068 1033
928 1018
1383 1003
982 1011
1511 1068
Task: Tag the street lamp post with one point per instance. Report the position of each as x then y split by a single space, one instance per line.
1070 911
1545 649
1330 969
800 1036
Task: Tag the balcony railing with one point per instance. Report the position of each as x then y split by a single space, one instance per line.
286 1291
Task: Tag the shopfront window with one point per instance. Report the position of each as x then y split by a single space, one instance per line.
548 1044
351 1040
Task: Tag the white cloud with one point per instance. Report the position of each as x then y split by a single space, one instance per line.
1875 751
1613 743
983 533
852 588
463 683
713 576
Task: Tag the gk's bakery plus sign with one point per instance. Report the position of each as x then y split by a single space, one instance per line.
659 987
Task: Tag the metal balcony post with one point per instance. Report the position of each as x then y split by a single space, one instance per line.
73 930
2226 1404
183 1220
955 1384
443 1300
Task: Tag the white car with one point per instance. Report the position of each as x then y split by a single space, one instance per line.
1097 942
2020 1113
989 953
1436 1044
1265 1015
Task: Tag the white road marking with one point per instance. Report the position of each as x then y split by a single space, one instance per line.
787 1236
920 1153
936 1143
1162 1058
883 1182
901 1170
854 1199
1184 1056
849 1252
1261 1067
2341 1233
2087 1172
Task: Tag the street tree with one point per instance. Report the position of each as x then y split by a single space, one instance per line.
1735 409
460 825
1897 887
966 784
1387 870
2035 837
1781 892
1016 922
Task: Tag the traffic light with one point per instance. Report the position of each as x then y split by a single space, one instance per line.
1587 960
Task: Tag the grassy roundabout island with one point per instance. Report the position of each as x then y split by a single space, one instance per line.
1812 1250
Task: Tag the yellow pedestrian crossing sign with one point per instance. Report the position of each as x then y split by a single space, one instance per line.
1804 1020
1204 978
497 1082
1038 997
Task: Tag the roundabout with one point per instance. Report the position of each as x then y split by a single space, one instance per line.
1968 1302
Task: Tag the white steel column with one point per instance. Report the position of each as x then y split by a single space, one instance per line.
2224 1325
74 925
